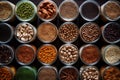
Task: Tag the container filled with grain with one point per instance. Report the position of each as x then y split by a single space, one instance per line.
68 32
68 54
6 73
6 32
89 73
47 73
110 10
25 54
89 10
25 32
6 54
47 10
68 10
90 32
6 11
26 73
110 73
25 10
47 54
68 73
89 54
47 32
111 54
111 32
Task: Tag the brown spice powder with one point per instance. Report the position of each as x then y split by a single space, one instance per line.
112 10
90 54
5 10
25 54
47 32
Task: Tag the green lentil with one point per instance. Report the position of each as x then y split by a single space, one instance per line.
25 10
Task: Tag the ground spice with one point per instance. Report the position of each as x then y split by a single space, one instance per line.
5 10
68 73
47 73
68 10
112 10
89 54
25 54
47 32
111 73
47 54
112 54
5 73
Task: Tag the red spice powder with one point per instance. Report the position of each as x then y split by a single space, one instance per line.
90 54
25 54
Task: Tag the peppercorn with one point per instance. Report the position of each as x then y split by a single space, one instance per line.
47 54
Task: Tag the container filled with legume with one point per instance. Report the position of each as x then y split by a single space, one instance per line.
6 54
110 73
25 32
111 54
47 32
110 10
68 54
47 10
6 11
47 54
25 73
89 73
89 54
90 32
6 33
68 73
25 10
47 73
68 32
25 54
111 32
6 73
68 10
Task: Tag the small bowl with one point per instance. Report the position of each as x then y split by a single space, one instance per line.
45 63
18 34
2 25
53 16
49 67
69 67
11 56
84 68
68 41
68 63
25 72
92 63
104 49
103 32
87 24
16 53
12 15
103 10
6 73
75 5
42 31
90 2
31 18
